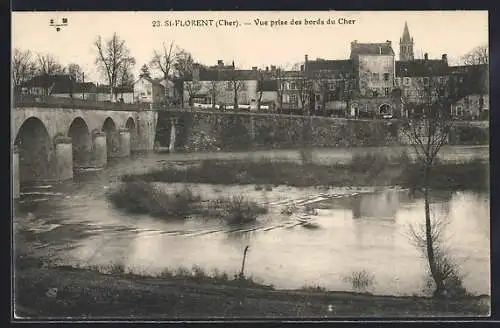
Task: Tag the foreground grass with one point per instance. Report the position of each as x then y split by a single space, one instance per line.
56 292
364 170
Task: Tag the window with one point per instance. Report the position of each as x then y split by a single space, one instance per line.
149 92
293 86
318 97
386 92
406 81
398 81
375 76
426 81
386 76
441 80
459 111
331 86
229 85
293 98
375 92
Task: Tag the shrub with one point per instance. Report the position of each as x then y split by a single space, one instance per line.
313 289
360 281
138 196
238 209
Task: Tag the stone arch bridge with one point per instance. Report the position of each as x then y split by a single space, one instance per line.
50 143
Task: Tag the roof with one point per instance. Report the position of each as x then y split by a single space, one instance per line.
149 79
47 81
214 74
421 67
72 87
371 48
476 77
267 85
339 66
106 89
406 33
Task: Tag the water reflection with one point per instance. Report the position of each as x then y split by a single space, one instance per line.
363 232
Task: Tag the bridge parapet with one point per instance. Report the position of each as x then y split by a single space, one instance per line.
58 102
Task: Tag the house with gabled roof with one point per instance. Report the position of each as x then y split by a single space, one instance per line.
213 87
149 90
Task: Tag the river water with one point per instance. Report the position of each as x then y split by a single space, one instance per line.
356 229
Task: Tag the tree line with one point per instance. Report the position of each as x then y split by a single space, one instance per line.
115 64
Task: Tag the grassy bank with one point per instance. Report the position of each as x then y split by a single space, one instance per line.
141 197
363 170
76 292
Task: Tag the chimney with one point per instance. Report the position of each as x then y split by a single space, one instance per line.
254 68
306 58
273 68
389 43
220 63
444 58
426 56
267 68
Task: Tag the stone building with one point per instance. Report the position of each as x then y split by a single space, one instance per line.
373 65
216 86
420 78
332 85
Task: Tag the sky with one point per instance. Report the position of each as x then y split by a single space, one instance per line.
242 41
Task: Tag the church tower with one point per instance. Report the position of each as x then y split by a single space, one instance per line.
406 45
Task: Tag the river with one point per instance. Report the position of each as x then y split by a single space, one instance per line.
357 229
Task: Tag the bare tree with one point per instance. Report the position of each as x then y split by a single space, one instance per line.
184 66
112 55
125 75
477 56
427 131
192 88
260 85
164 60
304 90
279 76
214 92
236 85
23 67
75 71
49 65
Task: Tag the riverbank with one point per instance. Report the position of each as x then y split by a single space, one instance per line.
362 170
58 292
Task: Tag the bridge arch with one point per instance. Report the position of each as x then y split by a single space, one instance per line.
35 151
112 137
81 141
132 129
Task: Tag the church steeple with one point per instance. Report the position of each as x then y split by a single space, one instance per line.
406 45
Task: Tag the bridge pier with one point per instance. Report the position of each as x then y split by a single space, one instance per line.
15 173
99 150
124 144
64 159
173 134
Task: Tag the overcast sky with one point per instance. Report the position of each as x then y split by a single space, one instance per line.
450 32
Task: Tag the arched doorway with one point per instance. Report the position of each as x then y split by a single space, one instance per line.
130 126
81 141
35 152
385 111
112 139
